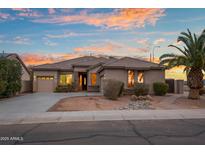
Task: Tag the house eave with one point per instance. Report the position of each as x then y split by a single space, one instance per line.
130 68
52 69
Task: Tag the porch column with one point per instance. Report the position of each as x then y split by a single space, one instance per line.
76 80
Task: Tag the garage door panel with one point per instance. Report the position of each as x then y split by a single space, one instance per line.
45 84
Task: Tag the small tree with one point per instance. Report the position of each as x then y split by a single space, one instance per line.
10 77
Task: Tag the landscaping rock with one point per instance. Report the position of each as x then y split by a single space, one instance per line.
148 97
142 98
134 98
136 105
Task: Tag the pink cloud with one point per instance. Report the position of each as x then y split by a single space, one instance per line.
100 49
4 16
21 40
143 41
158 41
38 58
21 9
118 19
51 11
110 48
25 12
64 35
49 42
29 14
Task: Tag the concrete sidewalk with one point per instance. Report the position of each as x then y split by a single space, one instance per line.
55 117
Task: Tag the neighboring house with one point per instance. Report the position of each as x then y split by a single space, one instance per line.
88 73
26 76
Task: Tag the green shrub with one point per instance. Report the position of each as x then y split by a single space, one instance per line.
112 89
141 89
10 77
64 88
160 88
3 85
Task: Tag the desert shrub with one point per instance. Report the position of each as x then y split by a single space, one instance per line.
141 89
65 88
160 88
10 77
202 91
3 85
112 89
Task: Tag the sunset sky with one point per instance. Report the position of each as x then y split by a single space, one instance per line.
49 35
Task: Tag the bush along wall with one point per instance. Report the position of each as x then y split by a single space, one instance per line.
65 88
141 89
160 88
10 77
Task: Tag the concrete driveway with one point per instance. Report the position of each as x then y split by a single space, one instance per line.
36 102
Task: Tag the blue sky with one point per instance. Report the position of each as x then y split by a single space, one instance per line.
48 35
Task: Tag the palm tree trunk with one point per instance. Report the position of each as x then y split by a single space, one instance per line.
194 94
195 82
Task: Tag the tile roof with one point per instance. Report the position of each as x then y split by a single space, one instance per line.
128 62
91 61
68 64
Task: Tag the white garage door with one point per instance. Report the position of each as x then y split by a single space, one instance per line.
45 83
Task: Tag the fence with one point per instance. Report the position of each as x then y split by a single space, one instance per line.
175 86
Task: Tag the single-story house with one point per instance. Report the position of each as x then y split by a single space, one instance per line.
88 73
26 74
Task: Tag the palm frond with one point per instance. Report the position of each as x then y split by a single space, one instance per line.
183 52
168 55
165 61
193 52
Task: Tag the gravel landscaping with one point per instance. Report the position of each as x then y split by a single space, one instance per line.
96 103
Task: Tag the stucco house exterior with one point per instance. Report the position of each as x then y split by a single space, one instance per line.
88 73
26 74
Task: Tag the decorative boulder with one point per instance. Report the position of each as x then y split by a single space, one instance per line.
141 98
148 97
134 98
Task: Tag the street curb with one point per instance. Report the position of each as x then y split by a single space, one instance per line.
79 116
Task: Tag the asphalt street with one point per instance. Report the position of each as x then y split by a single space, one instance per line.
138 132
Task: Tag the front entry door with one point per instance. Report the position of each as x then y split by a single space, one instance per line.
83 81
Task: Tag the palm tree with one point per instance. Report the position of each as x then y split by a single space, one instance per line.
192 58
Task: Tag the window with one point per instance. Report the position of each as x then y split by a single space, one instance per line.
131 78
93 79
65 79
45 77
140 77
